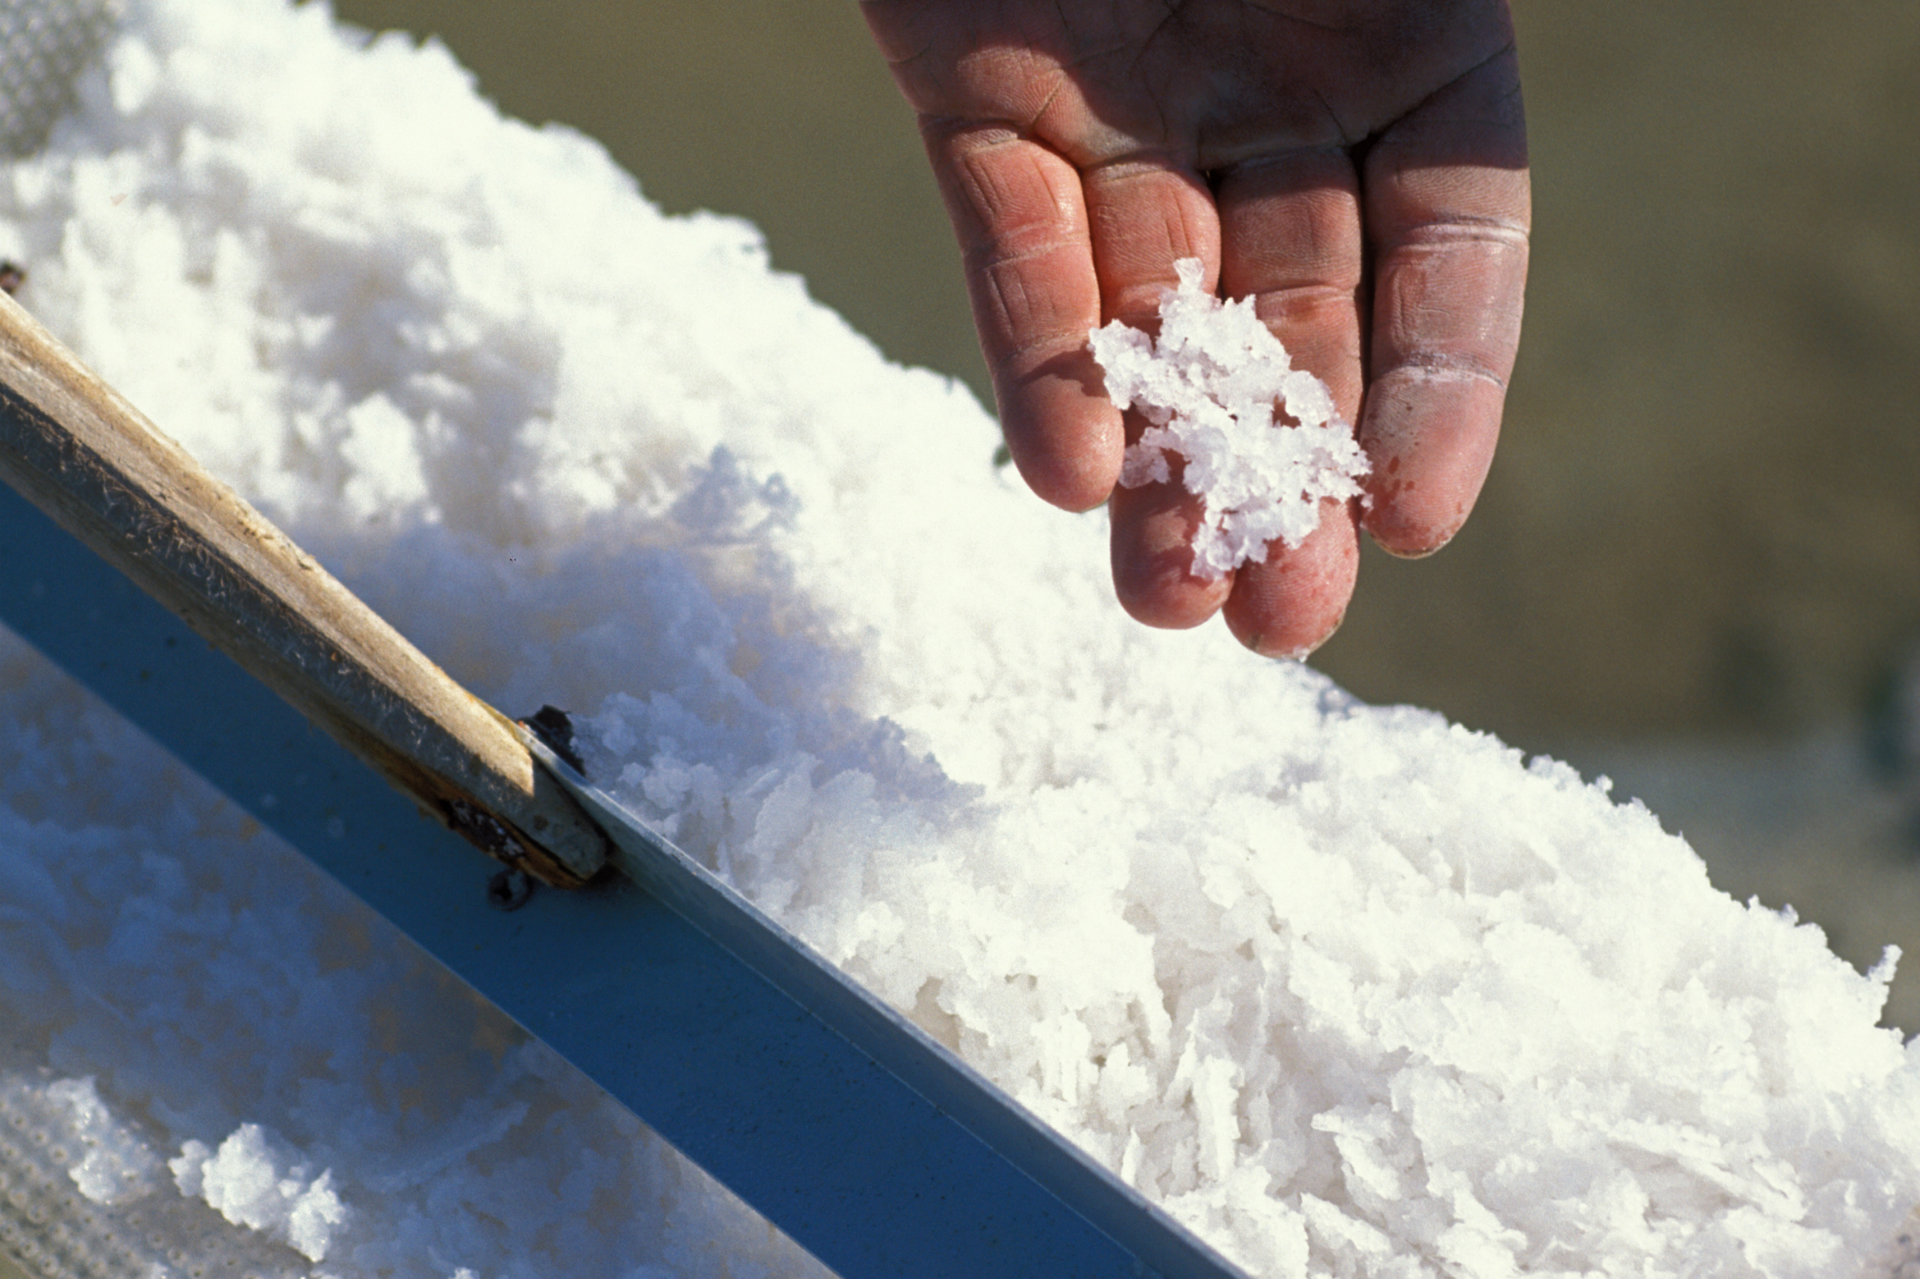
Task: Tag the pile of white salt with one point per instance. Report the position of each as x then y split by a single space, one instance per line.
1350 990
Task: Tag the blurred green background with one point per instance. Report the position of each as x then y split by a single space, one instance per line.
1698 556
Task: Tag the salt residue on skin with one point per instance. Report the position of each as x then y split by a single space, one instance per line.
1351 990
1258 441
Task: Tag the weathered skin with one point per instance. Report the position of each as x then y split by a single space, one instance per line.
1359 166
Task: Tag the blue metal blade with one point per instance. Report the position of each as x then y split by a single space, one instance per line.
868 1144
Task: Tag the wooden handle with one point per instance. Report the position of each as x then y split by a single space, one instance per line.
72 446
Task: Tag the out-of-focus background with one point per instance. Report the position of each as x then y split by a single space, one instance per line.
1696 567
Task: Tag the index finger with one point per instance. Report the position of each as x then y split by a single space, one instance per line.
1020 215
1447 209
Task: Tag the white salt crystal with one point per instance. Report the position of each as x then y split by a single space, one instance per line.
1258 441
118 1166
255 1181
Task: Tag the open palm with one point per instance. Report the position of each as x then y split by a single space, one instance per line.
1357 166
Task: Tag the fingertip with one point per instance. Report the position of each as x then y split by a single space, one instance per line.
1064 435
1411 524
1173 605
1288 643
1070 490
1152 550
1292 603
1408 548
1430 436
1071 482
1412 536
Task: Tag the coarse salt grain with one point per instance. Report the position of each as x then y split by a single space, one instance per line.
255 1181
1257 440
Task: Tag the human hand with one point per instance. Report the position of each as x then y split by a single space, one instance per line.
1357 166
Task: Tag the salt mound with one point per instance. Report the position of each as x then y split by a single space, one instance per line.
1217 386
1351 990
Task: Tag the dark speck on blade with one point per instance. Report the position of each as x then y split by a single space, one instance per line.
553 726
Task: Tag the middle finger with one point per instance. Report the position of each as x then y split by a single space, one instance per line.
1291 239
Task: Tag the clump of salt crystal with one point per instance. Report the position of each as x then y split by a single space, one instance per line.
1219 390
116 1166
257 1182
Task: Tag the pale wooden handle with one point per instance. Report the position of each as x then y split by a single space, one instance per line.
72 446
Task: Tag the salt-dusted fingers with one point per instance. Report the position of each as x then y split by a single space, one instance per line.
1021 220
1293 602
1291 239
1447 210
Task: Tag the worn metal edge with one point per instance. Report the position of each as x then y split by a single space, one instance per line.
830 1145
875 1028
